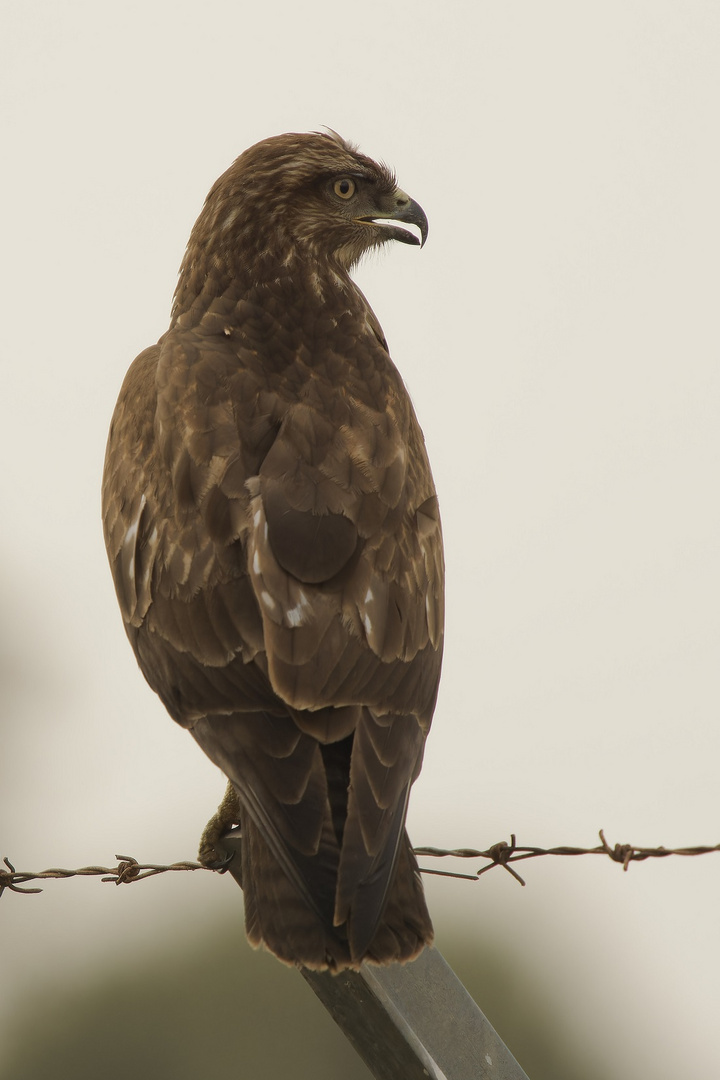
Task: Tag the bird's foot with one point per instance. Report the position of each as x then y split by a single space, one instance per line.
223 820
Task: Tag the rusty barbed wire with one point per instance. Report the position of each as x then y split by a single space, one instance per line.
127 871
502 854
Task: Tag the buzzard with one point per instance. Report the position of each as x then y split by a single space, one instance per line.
273 533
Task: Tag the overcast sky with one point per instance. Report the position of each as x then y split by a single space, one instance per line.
559 336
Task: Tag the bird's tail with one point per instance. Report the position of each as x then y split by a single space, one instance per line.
284 919
329 877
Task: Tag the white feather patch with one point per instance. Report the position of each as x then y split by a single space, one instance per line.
130 541
297 615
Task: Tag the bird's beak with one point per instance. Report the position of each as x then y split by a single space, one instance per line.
402 208
411 212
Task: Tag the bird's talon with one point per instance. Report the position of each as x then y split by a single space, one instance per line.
211 852
219 865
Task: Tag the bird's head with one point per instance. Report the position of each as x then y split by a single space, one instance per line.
306 195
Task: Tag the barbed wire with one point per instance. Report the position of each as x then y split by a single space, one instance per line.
502 854
127 870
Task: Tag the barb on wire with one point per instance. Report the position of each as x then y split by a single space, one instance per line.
127 870
502 854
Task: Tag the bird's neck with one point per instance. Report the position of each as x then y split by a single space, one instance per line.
220 283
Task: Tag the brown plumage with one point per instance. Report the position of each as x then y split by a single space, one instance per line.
273 533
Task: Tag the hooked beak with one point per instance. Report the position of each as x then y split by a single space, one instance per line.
401 208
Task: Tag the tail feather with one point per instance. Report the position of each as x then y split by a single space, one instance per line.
405 927
328 873
278 916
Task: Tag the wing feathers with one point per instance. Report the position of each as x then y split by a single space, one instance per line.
311 547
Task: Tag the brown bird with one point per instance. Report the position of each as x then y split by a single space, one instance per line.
274 538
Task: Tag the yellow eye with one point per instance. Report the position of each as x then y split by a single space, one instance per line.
344 188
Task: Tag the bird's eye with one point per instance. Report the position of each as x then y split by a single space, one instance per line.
344 188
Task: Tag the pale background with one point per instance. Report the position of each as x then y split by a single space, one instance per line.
559 335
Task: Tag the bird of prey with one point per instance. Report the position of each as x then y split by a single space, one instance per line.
273 532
